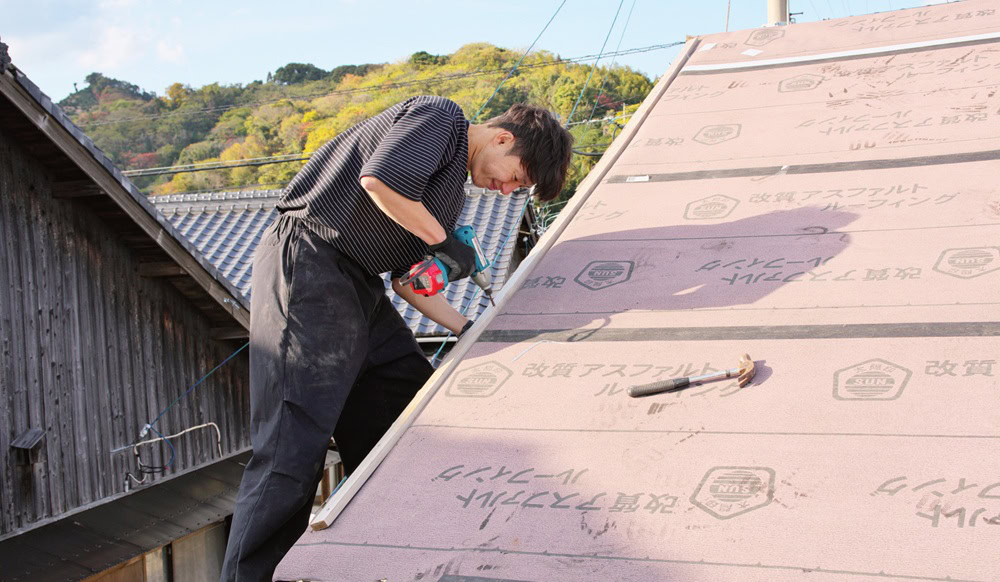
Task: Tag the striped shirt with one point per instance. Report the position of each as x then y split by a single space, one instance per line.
419 148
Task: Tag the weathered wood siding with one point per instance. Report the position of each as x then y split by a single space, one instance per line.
90 352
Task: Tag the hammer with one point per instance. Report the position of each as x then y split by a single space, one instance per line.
745 373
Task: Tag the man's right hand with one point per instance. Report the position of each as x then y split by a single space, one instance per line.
457 256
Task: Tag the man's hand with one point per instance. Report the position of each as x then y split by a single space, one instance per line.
458 257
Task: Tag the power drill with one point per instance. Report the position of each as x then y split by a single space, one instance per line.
430 276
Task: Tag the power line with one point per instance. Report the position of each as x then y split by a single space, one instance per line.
279 159
383 86
585 85
167 170
608 70
497 90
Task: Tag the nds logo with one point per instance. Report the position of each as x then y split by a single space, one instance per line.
764 35
603 274
717 206
872 380
713 134
799 83
968 263
726 492
479 381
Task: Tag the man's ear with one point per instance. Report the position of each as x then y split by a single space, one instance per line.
503 137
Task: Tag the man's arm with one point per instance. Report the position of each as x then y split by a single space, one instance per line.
410 214
435 307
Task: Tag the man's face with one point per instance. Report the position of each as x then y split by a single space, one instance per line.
495 169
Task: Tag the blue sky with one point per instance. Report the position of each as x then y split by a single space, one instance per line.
154 43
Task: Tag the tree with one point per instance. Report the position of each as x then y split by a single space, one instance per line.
293 73
424 59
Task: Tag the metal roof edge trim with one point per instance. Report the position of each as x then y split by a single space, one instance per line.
976 38
112 498
20 90
339 500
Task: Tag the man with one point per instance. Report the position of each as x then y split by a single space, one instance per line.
328 352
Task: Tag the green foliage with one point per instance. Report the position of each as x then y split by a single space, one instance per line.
304 106
424 59
294 73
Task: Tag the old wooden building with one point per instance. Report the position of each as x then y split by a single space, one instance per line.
107 317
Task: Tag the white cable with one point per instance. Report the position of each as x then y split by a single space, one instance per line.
218 436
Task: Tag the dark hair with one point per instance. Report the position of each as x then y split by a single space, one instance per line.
542 143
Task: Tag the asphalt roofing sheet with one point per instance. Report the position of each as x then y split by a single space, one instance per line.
838 220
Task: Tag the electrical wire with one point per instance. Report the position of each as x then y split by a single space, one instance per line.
607 71
203 166
380 87
585 85
267 160
149 425
145 470
497 90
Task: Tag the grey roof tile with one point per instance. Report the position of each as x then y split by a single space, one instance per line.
225 231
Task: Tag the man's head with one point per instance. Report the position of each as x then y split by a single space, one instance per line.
525 146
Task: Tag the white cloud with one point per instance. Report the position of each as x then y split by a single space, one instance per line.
170 52
115 46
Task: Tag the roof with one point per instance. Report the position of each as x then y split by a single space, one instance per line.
226 227
95 539
81 170
821 196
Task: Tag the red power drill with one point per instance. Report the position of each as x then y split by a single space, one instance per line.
430 276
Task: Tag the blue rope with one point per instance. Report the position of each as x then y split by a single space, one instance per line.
149 426
608 70
497 90
585 85
173 452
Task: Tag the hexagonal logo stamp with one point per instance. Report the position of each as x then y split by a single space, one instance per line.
599 275
800 83
713 134
968 263
763 36
726 492
480 381
718 206
874 379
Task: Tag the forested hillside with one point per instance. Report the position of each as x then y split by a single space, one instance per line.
300 107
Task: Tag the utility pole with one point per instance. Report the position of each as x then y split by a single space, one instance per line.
777 12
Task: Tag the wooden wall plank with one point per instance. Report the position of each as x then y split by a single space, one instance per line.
91 351
65 371
29 502
8 343
51 467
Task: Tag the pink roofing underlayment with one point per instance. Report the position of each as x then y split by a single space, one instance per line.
838 219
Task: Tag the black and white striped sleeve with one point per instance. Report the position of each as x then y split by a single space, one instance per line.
416 147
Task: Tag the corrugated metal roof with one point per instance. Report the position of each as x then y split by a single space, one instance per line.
96 539
225 228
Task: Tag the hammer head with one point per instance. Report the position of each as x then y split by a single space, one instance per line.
747 370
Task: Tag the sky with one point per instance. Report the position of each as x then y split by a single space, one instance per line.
155 43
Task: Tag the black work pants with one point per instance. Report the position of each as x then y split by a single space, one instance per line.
328 355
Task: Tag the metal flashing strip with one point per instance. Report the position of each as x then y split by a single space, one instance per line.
783 332
843 55
880 164
622 559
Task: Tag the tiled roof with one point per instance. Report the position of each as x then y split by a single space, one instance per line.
226 227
